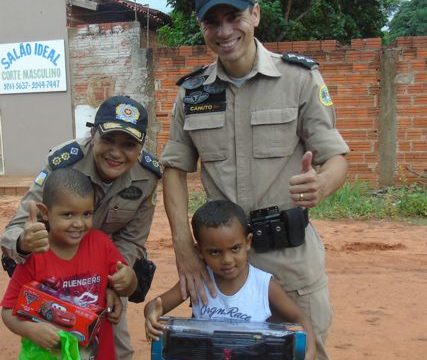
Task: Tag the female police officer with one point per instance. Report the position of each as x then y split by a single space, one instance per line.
124 179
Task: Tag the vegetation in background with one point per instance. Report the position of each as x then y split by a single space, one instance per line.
285 20
358 201
409 20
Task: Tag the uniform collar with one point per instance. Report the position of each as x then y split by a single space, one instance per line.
264 65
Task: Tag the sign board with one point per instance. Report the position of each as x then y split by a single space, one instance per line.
30 67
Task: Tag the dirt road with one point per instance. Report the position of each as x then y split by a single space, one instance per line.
378 282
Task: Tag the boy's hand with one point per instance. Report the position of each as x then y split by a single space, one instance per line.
310 354
35 236
122 278
115 306
153 327
44 334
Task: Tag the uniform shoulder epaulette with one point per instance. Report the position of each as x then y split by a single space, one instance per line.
151 163
300 60
197 71
68 155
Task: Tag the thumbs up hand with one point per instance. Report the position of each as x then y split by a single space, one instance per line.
35 236
122 279
305 187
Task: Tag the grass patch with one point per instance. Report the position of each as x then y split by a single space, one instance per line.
358 200
196 199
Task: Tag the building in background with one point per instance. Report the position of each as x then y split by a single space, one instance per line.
108 56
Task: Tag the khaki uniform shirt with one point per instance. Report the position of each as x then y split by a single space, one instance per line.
251 147
123 212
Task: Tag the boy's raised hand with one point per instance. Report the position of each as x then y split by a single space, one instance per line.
153 327
35 236
122 279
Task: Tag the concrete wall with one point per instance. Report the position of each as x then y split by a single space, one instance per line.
106 60
33 123
380 97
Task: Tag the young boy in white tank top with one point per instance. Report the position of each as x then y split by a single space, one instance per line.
243 292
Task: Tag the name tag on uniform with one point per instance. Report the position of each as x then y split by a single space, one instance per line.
205 99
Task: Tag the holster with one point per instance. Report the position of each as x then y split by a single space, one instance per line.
8 264
273 229
144 270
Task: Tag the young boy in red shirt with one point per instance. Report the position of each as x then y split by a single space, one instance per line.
82 261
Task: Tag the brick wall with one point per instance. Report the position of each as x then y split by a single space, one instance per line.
106 60
411 105
352 74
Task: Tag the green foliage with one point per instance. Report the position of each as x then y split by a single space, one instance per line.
410 20
341 20
184 30
358 201
184 6
196 199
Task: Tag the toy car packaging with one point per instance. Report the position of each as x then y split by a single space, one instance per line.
192 339
36 302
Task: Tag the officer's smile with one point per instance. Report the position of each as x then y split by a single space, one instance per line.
114 154
228 45
113 163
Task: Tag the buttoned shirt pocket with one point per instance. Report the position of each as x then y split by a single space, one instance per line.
117 219
274 132
208 133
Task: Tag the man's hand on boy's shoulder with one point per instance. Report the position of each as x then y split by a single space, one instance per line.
114 306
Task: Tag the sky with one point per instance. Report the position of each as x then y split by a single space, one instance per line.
156 4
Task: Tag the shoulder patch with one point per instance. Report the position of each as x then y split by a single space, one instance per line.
151 163
197 71
39 180
66 156
300 60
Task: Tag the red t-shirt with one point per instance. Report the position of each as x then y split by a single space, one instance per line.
82 279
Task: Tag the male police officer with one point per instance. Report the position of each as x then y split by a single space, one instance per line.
124 180
263 126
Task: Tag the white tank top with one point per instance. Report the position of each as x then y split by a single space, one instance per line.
250 303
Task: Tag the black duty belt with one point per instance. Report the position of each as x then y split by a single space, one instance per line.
273 229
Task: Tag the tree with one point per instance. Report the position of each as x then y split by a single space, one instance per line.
410 20
283 20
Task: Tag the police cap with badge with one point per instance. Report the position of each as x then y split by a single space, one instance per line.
121 113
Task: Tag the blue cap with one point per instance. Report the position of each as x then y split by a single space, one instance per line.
203 6
121 113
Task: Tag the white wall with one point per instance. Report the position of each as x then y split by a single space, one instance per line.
33 123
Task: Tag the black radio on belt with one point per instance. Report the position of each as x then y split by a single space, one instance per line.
273 229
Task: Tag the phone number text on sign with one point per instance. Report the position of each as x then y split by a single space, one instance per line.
31 85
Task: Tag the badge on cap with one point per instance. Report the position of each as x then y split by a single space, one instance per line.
127 112
324 96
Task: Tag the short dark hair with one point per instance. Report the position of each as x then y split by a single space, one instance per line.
65 179
218 213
